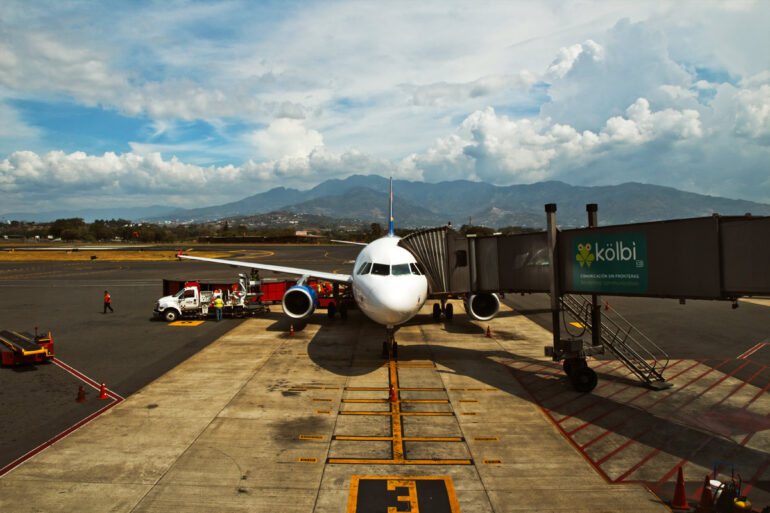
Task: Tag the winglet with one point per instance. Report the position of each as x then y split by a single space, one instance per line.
390 226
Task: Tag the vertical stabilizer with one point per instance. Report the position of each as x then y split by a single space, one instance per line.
390 225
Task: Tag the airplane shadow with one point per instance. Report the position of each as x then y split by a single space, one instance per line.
354 348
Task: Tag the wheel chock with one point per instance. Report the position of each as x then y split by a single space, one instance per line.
392 395
81 395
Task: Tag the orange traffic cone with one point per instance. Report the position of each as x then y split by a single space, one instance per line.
606 305
706 504
103 393
291 330
392 396
81 395
680 498
489 332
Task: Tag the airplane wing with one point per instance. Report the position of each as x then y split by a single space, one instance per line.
351 242
333 277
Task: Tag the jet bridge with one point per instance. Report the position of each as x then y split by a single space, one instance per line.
716 257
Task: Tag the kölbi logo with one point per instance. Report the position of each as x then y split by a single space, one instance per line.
609 252
610 262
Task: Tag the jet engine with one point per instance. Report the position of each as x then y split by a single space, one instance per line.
482 307
300 301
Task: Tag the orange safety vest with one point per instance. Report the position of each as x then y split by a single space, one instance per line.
106 298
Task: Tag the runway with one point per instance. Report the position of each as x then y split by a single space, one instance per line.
238 416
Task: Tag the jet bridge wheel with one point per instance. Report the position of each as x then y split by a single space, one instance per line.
572 364
449 311
583 379
436 311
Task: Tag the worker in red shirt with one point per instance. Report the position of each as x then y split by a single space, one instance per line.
107 302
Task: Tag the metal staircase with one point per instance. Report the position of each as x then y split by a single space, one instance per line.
637 352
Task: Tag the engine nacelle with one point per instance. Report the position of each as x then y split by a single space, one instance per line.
482 307
300 301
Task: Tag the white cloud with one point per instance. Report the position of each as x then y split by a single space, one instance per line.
501 150
567 57
529 90
286 138
753 112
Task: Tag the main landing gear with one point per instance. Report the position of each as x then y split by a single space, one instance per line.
446 308
390 346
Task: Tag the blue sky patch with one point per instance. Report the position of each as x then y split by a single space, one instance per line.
69 127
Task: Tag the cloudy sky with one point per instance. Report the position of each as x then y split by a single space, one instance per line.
189 103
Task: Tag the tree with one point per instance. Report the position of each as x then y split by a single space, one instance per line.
478 230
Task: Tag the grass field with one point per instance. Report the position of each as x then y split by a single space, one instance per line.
106 255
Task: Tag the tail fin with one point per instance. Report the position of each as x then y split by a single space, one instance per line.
390 226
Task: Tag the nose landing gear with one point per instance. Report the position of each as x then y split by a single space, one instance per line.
390 346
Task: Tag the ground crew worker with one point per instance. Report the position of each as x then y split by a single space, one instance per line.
107 302
218 305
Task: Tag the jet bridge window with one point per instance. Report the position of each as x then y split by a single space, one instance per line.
364 269
381 269
400 270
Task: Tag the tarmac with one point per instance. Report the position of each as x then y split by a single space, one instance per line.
263 421
240 416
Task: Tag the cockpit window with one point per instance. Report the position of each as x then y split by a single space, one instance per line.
415 269
400 269
381 269
364 269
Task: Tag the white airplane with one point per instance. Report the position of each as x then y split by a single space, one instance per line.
388 285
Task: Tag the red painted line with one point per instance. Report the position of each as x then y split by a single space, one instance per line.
581 410
613 428
743 384
753 350
642 462
546 382
594 367
558 392
86 379
697 362
615 451
669 475
732 373
757 396
756 476
527 365
116 400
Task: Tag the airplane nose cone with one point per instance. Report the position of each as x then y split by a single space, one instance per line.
396 307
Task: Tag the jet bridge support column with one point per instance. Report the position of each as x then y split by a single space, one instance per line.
596 309
550 210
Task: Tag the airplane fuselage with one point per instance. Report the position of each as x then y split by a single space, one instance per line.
387 283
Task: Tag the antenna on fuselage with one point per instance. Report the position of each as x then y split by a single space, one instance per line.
390 226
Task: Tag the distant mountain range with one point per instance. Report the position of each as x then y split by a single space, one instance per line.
420 204
88 214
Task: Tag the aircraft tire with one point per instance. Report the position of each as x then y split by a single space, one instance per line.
584 379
